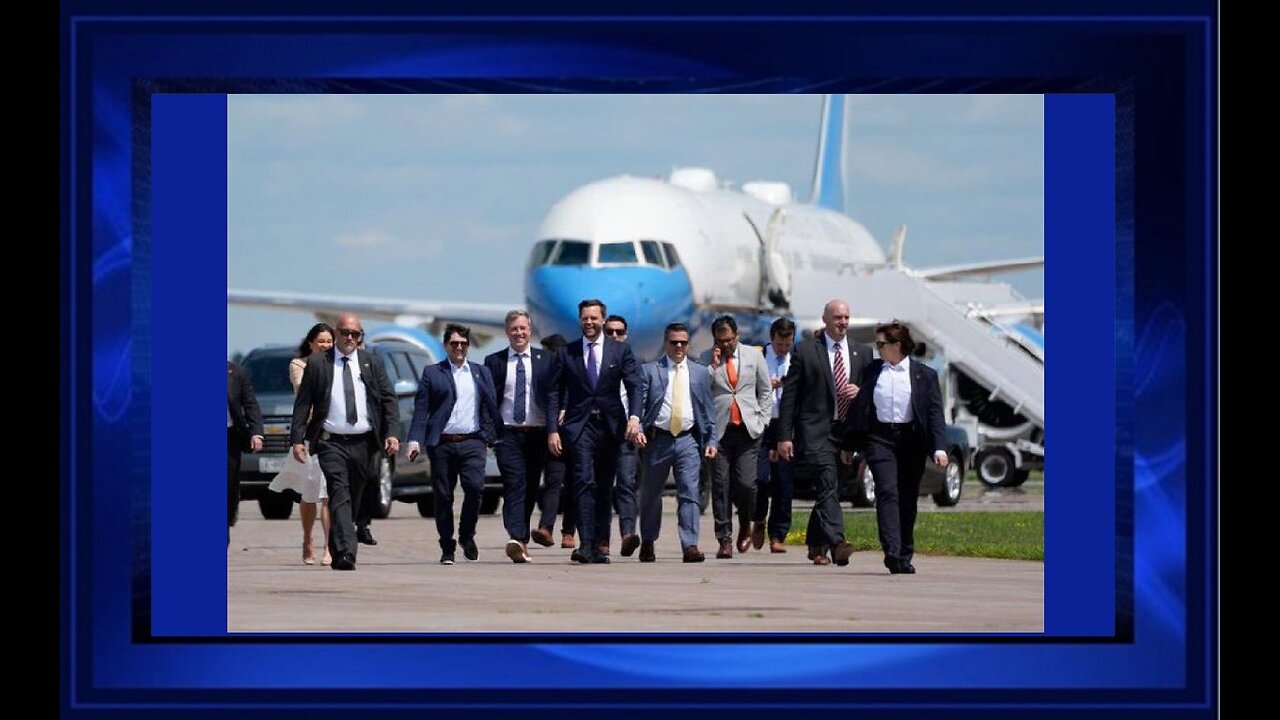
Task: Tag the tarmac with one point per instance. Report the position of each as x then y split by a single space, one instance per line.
400 587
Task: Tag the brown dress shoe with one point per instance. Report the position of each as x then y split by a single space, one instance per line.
777 546
692 554
841 553
646 552
542 536
817 551
725 551
757 535
822 560
567 541
744 538
602 549
629 545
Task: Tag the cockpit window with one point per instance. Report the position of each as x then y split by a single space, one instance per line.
573 252
672 258
652 252
619 252
541 251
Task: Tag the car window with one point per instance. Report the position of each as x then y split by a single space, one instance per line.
269 372
403 368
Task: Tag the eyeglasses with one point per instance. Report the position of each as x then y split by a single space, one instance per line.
350 333
616 332
882 343
678 343
726 341
458 343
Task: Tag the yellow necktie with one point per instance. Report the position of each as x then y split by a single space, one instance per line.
677 403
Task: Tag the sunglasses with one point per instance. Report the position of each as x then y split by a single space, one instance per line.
350 333
616 332
882 343
458 343
678 343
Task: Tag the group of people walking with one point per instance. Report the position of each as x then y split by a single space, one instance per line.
587 419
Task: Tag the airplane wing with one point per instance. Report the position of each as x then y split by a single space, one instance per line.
484 317
952 272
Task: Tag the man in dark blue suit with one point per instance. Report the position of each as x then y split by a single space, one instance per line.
589 374
679 429
454 419
519 373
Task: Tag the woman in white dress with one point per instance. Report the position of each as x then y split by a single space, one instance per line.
308 481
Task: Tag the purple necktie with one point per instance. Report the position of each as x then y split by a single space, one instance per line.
593 370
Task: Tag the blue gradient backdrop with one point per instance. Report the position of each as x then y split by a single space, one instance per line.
1130 273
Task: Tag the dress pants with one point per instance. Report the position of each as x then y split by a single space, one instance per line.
233 477
451 462
556 494
345 461
826 521
775 486
521 455
595 463
733 478
624 491
897 461
663 455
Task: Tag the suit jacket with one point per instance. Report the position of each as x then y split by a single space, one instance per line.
926 405
312 400
542 365
571 391
437 393
246 416
808 394
654 391
754 392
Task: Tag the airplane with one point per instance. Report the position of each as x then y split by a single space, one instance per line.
687 248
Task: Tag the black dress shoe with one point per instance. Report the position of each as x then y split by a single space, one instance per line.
905 567
841 553
646 552
345 561
629 545
365 536
599 559
446 558
469 549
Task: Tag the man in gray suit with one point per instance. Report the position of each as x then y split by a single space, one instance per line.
743 397
678 429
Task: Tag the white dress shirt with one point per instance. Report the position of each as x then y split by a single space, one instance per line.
336 420
778 368
462 420
892 394
533 415
663 420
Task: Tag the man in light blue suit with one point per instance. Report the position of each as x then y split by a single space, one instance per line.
679 428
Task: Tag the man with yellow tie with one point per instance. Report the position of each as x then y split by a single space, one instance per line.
743 397
679 429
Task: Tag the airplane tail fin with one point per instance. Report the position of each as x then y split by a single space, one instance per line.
828 170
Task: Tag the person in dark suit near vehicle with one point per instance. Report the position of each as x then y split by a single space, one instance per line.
589 372
775 483
897 419
519 372
346 409
679 430
455 418
372 493
816 395
244 432
556 495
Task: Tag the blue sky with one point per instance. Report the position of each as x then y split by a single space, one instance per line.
439 196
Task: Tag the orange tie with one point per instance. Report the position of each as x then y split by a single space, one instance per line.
735 415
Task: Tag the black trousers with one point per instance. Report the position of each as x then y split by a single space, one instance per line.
521 455
449 463
897 463
595 465
733 480
233 477
826 521
557 494
347 463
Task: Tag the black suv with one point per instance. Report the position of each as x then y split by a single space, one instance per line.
268 369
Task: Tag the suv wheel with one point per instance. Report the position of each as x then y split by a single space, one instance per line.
275 506
949 495
386 471
427 507
865 489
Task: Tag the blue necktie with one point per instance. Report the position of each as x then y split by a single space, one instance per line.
593 370
349 391
517 412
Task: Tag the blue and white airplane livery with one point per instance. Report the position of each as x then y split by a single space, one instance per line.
687 248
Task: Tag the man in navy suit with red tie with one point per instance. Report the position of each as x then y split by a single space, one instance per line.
589 374
519 372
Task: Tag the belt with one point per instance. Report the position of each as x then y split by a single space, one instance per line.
459 438
341 437
672 435
895 427
525 428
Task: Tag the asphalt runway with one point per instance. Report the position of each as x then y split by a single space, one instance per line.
399 587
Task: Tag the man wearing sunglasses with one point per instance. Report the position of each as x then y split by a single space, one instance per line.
455 419
353 415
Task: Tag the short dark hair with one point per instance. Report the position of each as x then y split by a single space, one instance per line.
553 342
615 318
304 348
782 327
592 301
452 328
674 327
722 322
895 331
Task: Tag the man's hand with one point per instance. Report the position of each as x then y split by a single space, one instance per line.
846 457
414 451
300 453
850 392
786 449
710 452
392 446
553 443
941 459
255 443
